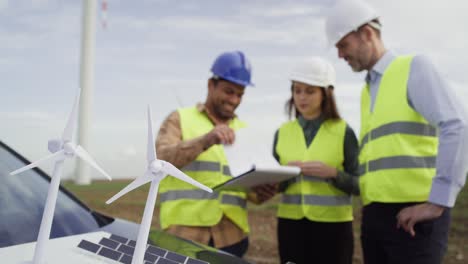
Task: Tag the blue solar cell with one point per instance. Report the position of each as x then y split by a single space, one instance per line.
175 257
120 239
166 261
126 259
196 261
109 253
109 243
150 257
156 251
126 249
131 243
86 245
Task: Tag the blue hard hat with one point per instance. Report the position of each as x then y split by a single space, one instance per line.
234 67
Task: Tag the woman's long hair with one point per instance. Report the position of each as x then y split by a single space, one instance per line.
328 106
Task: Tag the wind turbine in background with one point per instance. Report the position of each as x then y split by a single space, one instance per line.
88 47
155 172
61 149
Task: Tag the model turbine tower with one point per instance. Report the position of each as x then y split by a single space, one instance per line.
64 148
155 172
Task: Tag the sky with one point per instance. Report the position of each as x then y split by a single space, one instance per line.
159 52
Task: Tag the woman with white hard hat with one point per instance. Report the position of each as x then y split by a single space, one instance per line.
315 212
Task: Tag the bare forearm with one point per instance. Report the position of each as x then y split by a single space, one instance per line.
170 146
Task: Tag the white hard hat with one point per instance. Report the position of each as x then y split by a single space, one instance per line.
315 71
347 16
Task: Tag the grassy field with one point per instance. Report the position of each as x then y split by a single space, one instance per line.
263 247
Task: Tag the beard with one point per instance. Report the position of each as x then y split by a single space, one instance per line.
224 113
362 57
360 62
356 66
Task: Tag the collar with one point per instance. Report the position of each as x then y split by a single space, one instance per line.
380 67
310 123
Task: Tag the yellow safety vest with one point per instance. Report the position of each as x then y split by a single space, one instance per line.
398 146
184 204
312 197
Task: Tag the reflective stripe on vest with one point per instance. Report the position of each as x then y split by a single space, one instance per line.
308 178
184 204
207 166
311 197
202 195
410 128
233 200
316 200
398 147
398 162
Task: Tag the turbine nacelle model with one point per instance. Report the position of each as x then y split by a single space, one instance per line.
155 167
61 149
69 148
155 172
54 145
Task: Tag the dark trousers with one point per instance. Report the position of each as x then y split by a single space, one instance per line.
304 242
383 243
238 249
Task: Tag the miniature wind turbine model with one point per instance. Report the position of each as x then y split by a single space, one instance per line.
156 171
61 149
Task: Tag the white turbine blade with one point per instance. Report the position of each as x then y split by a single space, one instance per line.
52 156
147 177
151 155
84 155
70 127
172 170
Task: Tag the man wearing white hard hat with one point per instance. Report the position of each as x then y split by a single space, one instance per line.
413 147
315 213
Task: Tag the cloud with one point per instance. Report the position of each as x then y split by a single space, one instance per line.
129 151
424 26
31 30
42 3
29 115
283 9
255 23
3 5
10 62
242 30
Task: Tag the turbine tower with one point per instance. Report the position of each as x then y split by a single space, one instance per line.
88 43
155 172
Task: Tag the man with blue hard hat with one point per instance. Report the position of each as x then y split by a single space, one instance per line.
192 139
413 142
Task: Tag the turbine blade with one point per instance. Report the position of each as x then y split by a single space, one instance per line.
173 171
72 119
52 156
139 181
151 155
84 155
